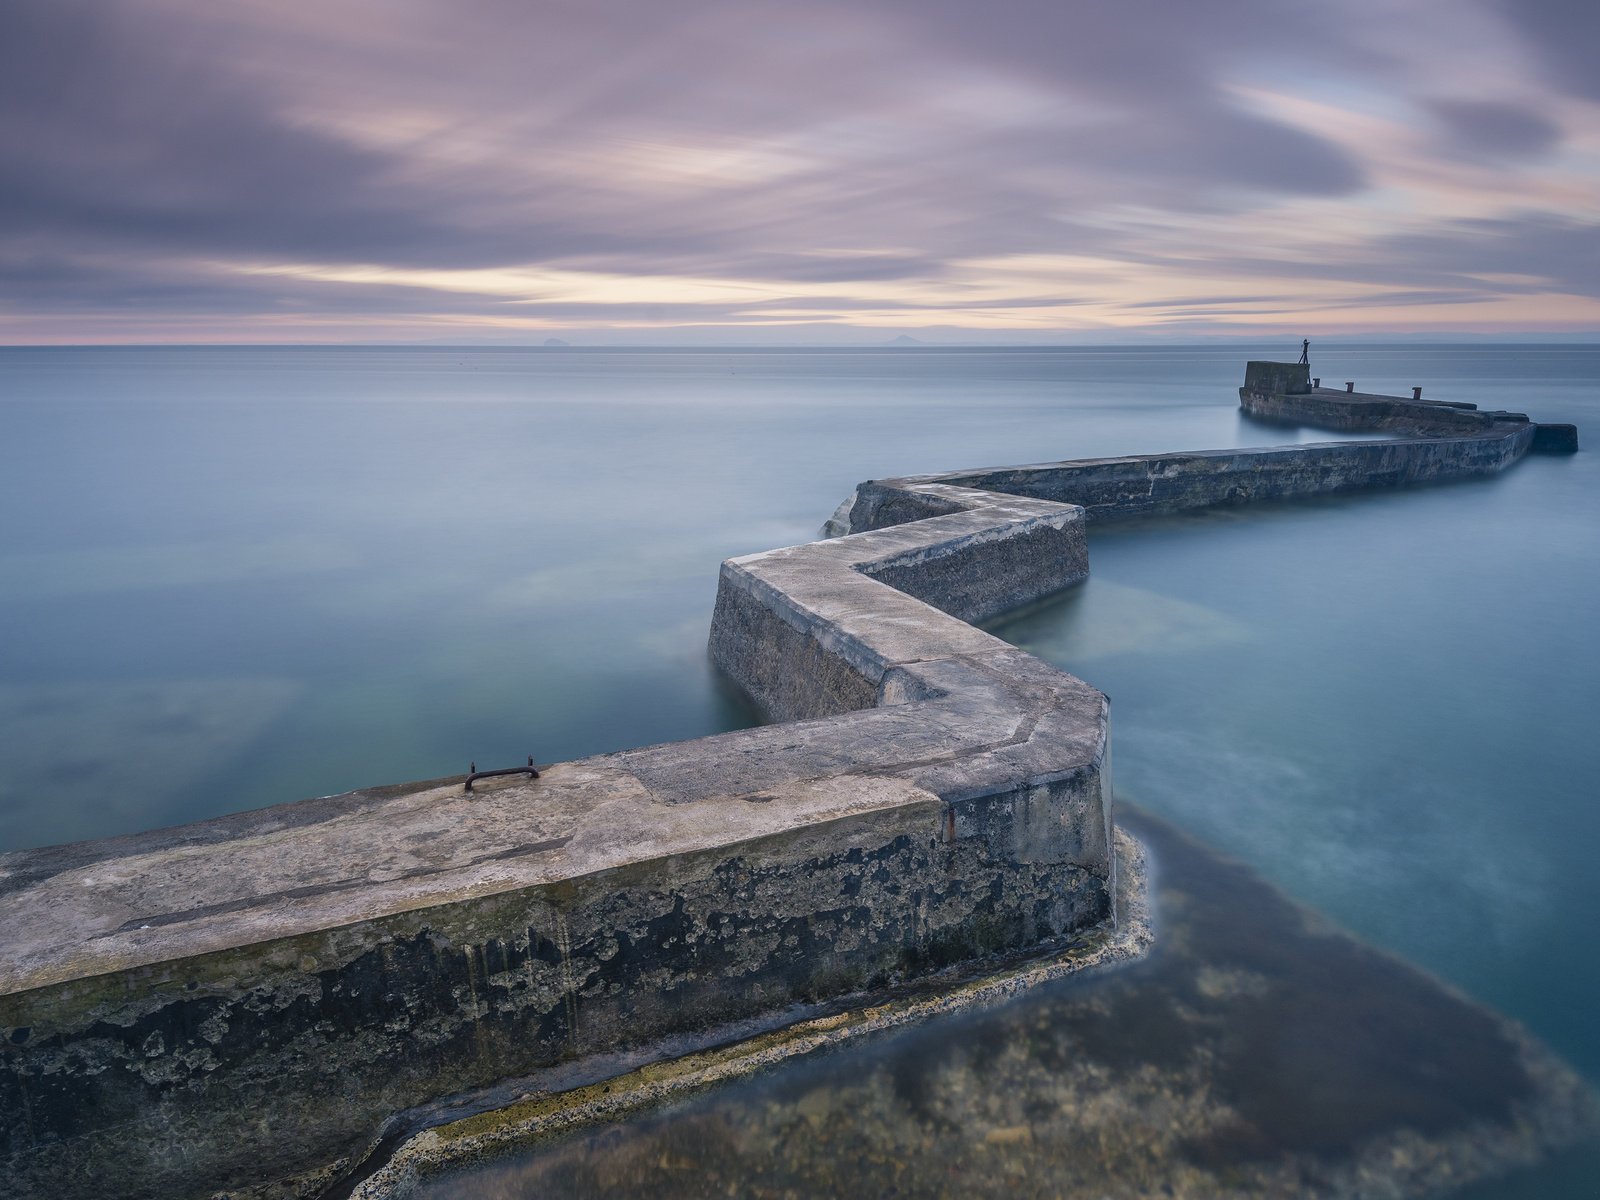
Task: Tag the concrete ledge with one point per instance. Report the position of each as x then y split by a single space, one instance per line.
491 1125
227 1004
1150 485
854 608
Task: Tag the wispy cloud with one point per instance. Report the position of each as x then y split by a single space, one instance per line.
175 169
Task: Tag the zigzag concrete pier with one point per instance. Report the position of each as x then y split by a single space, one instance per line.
240 1003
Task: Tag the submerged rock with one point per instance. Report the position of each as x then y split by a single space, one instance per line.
1257 1052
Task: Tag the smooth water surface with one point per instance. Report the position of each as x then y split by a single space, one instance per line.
230 577
233 577
1249 1053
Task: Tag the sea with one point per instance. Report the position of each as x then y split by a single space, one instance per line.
235 576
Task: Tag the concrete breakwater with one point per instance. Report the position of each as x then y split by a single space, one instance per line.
1440 442
241 1001
1254 1053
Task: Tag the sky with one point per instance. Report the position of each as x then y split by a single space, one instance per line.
813 171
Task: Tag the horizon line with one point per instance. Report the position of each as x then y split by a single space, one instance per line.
1532 338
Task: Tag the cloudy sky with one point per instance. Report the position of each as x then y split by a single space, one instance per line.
813 170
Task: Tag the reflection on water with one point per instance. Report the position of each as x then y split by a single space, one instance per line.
1112 619
136 737
1258 1052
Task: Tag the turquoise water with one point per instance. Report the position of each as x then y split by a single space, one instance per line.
234 577
230 577
1247 1054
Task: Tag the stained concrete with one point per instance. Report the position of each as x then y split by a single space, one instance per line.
241 1002
492 1123
1290 379
1435 441
1255 1054
1150 485
235 1002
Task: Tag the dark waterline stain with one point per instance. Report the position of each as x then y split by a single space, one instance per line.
1257 1052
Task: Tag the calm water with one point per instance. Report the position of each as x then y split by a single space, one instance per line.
1246 1055
231 577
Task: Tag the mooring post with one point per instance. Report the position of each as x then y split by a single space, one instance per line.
1416 393
1349 385
473 774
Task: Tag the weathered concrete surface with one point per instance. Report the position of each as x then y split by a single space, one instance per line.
1122 489
1555 439
233 1003
495 1123
209 1015
1436 441
817 628
1256 1054
1291 379
1327 408
1148 485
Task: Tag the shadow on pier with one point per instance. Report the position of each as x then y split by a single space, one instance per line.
1256 1052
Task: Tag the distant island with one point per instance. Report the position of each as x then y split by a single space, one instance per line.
558 343
905 339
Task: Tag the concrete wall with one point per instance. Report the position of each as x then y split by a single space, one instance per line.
1291 379
812 630
252 1063
1128 488
230 1003
1327 408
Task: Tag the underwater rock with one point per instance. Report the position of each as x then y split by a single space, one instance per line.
1256 1052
